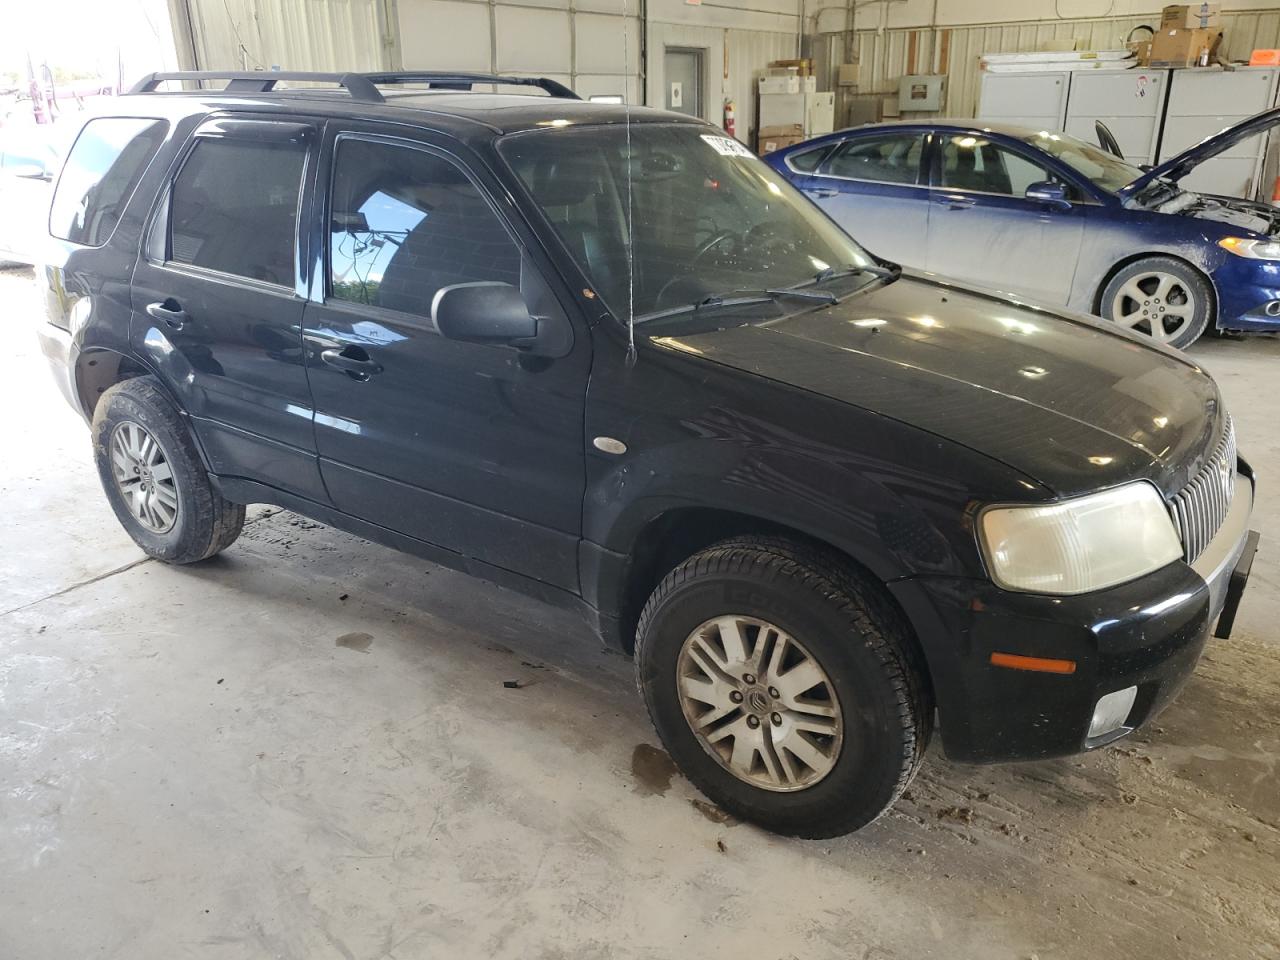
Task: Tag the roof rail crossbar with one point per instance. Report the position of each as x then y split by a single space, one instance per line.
361 86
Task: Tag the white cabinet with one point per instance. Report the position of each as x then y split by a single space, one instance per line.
1129 102
814 112
1037 100
1205 102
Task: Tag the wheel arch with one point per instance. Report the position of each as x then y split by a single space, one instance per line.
97 369
1151 254
674 535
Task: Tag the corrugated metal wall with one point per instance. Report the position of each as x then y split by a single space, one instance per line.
580 43
883 58
289 34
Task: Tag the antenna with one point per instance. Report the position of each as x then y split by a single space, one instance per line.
631 269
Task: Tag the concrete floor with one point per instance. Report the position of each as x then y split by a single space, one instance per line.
304 749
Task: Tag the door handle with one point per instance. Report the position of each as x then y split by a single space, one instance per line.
955 203
170 311
353 361
821 193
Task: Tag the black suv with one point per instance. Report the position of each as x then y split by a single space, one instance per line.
607 357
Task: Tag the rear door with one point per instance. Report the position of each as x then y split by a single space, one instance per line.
875 187
984 230
476 448
217 298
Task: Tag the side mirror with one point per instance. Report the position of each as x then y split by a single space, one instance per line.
1046 191
484 312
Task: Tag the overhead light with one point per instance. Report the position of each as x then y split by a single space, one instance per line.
966 143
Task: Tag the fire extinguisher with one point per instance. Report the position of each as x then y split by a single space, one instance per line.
730 122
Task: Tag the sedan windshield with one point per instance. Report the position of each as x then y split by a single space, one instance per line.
1106 170
710 221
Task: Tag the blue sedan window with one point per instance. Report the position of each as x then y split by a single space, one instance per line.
888 159
972 163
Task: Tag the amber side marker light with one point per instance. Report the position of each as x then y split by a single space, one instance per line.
1038 664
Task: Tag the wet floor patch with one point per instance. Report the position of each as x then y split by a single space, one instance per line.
653 770
360 642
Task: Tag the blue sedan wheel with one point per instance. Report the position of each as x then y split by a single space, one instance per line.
1161 298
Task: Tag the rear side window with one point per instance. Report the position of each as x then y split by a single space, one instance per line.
806 161
234 208
105 164
887 159
406 223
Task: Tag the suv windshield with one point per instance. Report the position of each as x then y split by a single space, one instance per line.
1106 170
710 220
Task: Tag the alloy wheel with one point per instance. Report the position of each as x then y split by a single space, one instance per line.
1156 303
759 703
144 477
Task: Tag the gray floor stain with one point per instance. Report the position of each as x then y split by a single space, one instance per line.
360 642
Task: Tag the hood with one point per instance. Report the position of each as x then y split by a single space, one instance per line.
1177 167
1069 403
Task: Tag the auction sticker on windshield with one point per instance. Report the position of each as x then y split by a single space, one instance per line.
727 146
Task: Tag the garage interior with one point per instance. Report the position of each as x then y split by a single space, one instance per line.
312 746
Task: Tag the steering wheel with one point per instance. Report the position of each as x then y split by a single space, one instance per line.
716 239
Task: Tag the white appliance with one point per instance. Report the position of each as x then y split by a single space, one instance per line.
1154 114
1129 103
1203 102
1037 100
814 112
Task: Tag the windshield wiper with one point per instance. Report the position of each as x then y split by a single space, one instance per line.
822 296
875 270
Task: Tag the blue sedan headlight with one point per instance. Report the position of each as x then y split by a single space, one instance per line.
1251 249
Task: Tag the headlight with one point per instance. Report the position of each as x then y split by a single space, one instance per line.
1080 545
1252 249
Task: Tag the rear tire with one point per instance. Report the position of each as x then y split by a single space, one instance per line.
154 479
814 762
1161 298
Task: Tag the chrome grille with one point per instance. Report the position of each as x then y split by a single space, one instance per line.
1200 507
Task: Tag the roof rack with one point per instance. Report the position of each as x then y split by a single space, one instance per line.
361 86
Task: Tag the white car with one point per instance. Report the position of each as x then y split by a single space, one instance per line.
28 162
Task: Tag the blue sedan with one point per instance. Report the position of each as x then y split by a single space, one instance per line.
1048 217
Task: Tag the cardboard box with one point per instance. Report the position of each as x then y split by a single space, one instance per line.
802 68
1182 48
770 144
775 133
788 84
1141 50
1191 16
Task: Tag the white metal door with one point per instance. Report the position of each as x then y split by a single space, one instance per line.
1130 103
1205 102
1037 100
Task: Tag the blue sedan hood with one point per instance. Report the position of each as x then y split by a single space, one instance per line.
1176 168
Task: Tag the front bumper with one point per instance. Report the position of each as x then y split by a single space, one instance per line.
1147 634
1245 288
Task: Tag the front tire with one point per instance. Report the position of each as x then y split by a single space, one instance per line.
784 687
154 479
1162 298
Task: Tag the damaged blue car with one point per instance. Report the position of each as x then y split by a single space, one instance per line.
1047 217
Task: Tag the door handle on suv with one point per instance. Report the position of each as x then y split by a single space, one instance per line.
170 311
353 361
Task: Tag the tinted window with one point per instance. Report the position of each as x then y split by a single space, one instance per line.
1107 171
972 163
234 208
406 223
892 159
806 161
102 169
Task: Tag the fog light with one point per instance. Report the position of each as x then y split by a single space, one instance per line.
1272 309
1110 713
